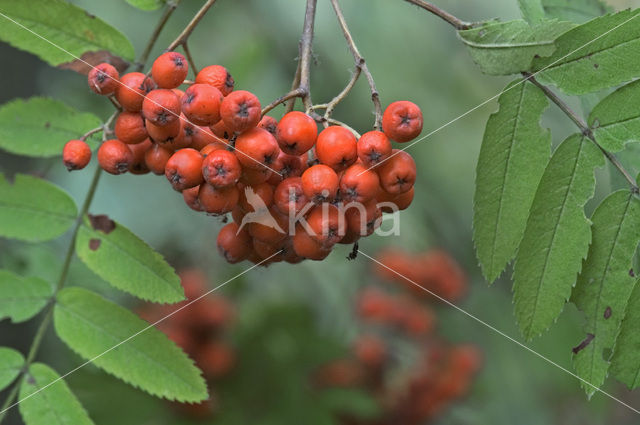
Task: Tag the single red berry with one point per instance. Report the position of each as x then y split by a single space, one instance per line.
320 183
363 218
114 156
267 230
163 134
296 133
169 70
289 165
399 202
326 224
234 244
221 130
289 197
249 194
103 79
268 123
253 176
397 173
76 155
218 201
359 184
132 90
240 111
161 107
373 147
307 247
218 77
336 147
201 136
201 104
190 197
138 165
212 147
221 168
370 351
130 128
156 158
184 169
402 121
256 148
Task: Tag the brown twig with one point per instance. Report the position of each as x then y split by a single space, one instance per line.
446 16
293 94
329 107
360 63
91 132
184 35
296 82
187 53
584 129
168 11
306 42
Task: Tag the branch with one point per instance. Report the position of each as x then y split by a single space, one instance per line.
294 85
305 53
187 53
446 16
293 94
584 128
168 11
184 35
360 64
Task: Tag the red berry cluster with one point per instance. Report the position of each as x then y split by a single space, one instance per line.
214 147
434 270
201 331
440 373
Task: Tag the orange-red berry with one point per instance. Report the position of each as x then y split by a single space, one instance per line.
114 157
184 169
76 155
132 90
103 79
169 70
218 77
161 107
402 121
240 111
296 133
221 168
130 128
256 148
201 104
336 147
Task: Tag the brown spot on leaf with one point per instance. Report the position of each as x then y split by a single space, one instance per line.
94 244
102 223
583 344
47 124
596 66
607 312
631 273
91 59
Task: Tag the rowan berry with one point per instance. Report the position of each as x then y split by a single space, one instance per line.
370 351
218 201
201 136
253 176
130 128
220 129
363 218
402 121
268 123
400 202
289 197
132 90
267 230
418 321
398 173
373 304
184 169
240 111
289 165
326 224
221 168
215 359
336 147
114 156
373 147
161 107
234 244
263 190
358 184
76 155
103 79
218 77
212 147
164 135
296 133
139 150
201 104
169 70
256 148
320 183
237 214
307 247
156 158
266 250
190 197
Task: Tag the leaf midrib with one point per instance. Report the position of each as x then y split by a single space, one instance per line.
591 54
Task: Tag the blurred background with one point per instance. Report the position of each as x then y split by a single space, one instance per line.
290 321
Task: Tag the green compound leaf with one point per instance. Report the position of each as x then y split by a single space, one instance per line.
503 48
53 405
66 27
40 127
616 119
625 364
604 285
118 256
578 11
513 155
146 4
22 298
11 362
32 209
92 326
602 53
557 236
